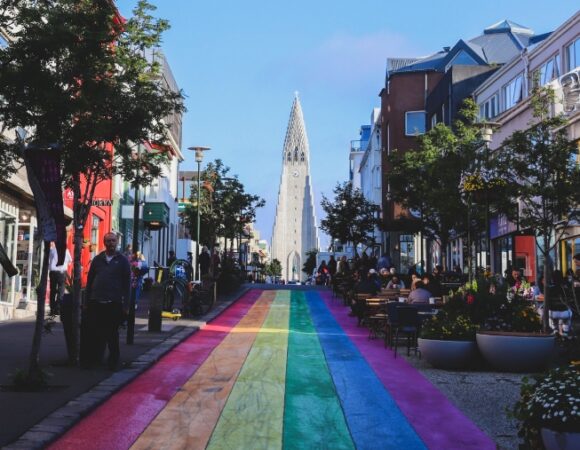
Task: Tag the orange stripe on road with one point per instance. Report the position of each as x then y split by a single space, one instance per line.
188 420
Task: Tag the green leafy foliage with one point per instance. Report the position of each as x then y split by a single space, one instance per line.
550 400
426 181
540 169
310 263
448 327
273 268
350 217
225 207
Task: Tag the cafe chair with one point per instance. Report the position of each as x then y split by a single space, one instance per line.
407 325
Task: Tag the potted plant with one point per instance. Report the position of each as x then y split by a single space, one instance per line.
510 338
448 341
548 410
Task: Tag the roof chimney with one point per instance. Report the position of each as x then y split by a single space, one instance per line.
446 49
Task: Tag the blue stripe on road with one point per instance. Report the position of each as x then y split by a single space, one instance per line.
374 419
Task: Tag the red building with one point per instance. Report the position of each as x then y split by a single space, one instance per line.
99 221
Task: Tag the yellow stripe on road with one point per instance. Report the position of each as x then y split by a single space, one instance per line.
189 418
253 416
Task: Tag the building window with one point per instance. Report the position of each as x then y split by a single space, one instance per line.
573 55
414 123
433 120
513 92
547 71
490 108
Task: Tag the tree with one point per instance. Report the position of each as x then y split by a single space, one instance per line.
80 77
350 217
427 181
310 263
539 165
225 207
274 268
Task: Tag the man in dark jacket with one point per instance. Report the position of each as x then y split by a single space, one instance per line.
108 294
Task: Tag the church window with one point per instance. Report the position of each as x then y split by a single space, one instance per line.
289 156
302 156
296 154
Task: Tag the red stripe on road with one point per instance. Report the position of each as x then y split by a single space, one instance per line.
118 422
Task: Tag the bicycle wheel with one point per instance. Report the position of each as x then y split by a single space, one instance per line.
168 297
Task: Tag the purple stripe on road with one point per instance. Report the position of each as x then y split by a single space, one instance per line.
437 421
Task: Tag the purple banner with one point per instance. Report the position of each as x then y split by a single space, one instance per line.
44 176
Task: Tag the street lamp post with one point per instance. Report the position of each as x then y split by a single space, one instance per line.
487 129
198 159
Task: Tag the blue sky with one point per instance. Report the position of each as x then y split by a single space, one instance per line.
240 62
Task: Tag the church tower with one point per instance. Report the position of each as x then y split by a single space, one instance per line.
295 229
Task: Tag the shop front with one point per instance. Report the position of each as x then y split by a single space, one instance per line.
512 248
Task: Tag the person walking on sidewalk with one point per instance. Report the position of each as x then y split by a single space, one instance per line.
57 276
108 294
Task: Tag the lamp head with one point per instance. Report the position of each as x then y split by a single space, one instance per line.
199 152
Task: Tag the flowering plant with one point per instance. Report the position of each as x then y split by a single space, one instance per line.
478 181
446 327
487 304
522 289
551 401
513 314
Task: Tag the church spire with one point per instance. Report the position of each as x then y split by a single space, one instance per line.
296 148
295 230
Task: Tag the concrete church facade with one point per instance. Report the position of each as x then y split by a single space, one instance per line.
295 230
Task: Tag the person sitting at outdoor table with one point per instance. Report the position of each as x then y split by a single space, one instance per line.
395 283
365 285
420 295
432 285
414 279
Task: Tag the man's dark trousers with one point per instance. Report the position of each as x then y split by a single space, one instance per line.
57 279
104 321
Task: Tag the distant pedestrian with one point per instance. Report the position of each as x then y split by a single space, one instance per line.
204 261
57 276
171 258
108 293
332 265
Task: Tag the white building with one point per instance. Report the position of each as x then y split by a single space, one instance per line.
370 168
295 231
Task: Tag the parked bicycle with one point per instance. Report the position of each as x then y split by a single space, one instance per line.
177 285
202 298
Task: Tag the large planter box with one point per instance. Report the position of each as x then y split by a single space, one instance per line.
516 352
554 440
448 354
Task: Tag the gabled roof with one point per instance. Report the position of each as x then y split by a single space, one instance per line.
504 26
428 63
498 44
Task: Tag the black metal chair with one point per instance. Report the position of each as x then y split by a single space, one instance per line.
408 325
391 323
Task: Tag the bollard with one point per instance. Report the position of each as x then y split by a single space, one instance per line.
154 322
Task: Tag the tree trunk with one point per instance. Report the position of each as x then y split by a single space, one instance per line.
444 254
80 214
34 371
76 300
547 299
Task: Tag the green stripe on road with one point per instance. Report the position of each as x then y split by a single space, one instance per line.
313 417
253 415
